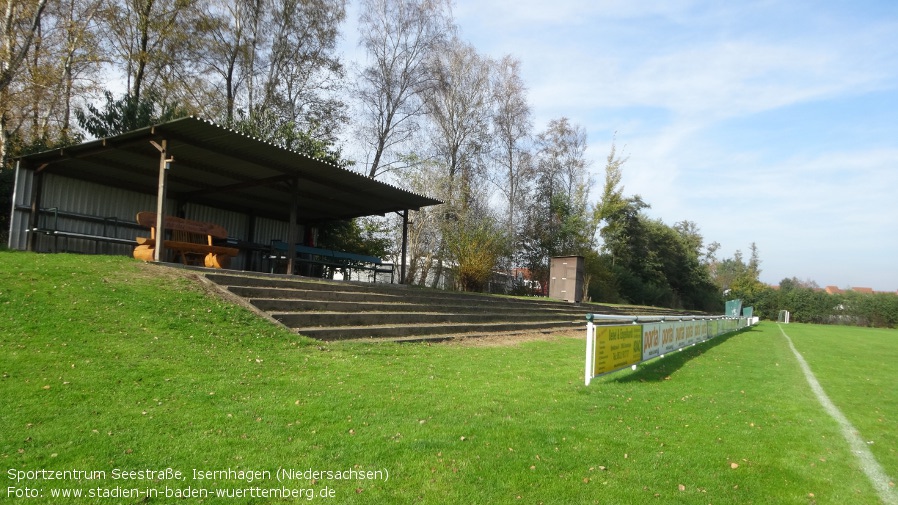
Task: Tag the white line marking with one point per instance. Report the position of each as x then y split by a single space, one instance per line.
868 463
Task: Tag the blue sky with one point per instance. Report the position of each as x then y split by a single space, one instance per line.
767 122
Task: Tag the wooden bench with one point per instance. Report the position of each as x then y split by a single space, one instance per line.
191 241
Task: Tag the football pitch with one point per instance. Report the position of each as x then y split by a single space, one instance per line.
119 386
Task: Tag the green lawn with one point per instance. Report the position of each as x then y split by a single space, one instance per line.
110 364
857 368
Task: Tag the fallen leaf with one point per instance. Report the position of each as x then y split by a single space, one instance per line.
734 465
681 487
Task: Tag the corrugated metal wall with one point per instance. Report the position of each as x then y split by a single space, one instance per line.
235 223
101 210
269 229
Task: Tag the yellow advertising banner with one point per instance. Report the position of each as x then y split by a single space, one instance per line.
611 348
617 347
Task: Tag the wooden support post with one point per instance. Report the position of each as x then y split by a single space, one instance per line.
404 247
159 251
291 231
12 209
249 258
37 190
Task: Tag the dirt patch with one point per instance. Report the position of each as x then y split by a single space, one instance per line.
507 339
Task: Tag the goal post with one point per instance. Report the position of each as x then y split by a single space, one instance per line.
783 317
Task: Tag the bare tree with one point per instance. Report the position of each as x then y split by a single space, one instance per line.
60 65
459 110
21 21
63 66
83 57
511 129
561 160
228 53
424 230
301 71
399 37
148 39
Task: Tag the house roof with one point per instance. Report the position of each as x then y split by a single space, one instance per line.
219 167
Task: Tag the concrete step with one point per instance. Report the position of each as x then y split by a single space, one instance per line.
262 293
337 319
432 331
307 305
346 310
299 287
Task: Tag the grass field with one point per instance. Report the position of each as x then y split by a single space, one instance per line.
856 367
107 364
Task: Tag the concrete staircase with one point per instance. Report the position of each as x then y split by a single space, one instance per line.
328 310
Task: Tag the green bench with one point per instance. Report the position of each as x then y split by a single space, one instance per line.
334 260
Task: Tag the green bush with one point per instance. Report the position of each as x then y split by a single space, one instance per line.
475 244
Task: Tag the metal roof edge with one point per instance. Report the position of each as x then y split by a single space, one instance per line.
159 128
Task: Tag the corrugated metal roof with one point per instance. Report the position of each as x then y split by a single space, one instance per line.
219 167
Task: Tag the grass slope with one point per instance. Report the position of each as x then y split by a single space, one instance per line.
108 363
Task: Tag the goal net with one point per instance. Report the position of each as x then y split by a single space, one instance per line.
783 317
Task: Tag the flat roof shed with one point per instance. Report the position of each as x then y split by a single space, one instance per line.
195 161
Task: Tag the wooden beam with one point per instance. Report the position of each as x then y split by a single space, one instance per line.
37 193
404 246
159 252
291 231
